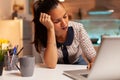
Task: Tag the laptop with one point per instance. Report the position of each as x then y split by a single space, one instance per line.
106 65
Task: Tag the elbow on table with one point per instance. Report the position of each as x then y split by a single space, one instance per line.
53 66
50 63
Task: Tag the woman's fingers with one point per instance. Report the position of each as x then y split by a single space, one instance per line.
42 17
89 65
45 19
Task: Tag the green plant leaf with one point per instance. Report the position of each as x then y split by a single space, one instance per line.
2 53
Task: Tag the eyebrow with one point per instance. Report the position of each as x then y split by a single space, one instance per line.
60 18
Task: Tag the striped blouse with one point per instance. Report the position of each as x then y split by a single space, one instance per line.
80 44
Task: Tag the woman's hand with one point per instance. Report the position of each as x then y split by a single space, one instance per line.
89 66
45 19
91 63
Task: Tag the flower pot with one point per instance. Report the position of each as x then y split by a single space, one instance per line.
1 67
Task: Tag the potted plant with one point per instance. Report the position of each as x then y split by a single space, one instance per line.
3 51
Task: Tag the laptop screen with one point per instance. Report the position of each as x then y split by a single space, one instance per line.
107 65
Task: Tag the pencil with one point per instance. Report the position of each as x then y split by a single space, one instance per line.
20 51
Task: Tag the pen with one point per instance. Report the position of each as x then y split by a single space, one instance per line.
14 53
20 51
14 50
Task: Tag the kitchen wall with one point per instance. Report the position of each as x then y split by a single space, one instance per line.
83 6
6 9
75 7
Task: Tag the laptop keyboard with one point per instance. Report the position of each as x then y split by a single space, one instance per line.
85 75
84 71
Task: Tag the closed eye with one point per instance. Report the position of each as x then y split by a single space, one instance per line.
60 19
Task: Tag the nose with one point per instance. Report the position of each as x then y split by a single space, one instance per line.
63 22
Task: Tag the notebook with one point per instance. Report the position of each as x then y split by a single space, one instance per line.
106 65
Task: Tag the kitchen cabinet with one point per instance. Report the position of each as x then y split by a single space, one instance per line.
18 32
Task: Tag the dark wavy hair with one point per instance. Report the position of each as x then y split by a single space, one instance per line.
40 33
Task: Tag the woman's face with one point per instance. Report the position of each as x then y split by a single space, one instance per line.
59 17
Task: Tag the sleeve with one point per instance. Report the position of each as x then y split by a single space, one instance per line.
86 44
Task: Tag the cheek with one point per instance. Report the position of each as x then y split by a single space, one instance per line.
57 27
66 22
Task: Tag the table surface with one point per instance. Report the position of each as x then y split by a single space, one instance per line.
42 73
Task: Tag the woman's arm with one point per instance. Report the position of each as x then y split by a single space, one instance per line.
87 47
50 54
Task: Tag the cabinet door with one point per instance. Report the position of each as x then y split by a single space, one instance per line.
12 30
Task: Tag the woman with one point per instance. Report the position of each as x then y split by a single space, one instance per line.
57 39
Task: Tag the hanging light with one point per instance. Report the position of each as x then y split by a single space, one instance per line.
61 0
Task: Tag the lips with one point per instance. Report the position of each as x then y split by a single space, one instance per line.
64 28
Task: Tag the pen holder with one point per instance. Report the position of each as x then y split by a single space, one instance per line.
10 62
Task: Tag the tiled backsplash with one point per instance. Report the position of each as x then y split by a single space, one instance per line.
98 27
